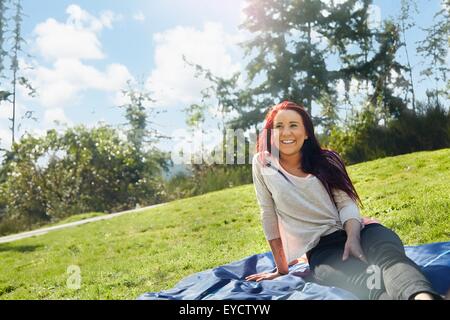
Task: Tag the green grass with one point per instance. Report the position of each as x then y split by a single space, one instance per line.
76 217
135 253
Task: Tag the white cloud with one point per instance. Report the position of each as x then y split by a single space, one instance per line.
76 38
82 19
5 138
59 72
5 110
61 84
139 16
55 40
52 115
119 99
65 45
374 19
173 81
108 17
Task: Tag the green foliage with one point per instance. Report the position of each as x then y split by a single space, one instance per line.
434 47
291 58
207 179
137 112
3 29
223 173
152 250
80 170
11 49
364 139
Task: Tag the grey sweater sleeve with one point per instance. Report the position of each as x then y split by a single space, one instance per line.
347 208
268 214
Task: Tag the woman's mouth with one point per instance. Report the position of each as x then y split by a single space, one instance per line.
287 141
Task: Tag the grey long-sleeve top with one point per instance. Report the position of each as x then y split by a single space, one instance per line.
298 213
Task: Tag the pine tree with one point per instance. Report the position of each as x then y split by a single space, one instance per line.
17 47
434 50
140 132
8 91
4 94
408 7
293 41
3 29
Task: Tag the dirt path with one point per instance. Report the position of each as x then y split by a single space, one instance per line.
37 232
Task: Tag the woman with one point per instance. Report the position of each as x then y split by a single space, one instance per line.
309 205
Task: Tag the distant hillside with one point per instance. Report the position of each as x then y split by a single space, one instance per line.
176 168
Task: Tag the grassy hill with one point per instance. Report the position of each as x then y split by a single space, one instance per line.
126 256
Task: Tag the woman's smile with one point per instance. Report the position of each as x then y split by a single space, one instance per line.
290 132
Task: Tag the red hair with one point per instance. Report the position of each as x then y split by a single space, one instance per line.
325 164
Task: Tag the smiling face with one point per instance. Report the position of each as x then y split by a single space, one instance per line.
289 133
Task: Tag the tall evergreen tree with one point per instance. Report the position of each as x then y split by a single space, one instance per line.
434 50
16 48
290 61
11 52
140 131
3 29
4 94
294 42
408 8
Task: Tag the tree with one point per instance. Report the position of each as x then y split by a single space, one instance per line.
293 43
79 170
9 92
15 61
408 7
291 61
3 29
434 50
140 131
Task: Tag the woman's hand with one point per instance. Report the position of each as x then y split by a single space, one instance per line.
353 247
263 276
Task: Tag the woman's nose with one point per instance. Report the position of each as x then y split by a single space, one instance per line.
285 133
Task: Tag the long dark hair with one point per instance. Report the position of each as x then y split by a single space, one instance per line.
325 164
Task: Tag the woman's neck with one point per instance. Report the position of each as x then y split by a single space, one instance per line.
291 161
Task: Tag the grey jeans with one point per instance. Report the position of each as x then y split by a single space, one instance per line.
390 274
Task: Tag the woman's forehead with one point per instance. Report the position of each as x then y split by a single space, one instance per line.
287 115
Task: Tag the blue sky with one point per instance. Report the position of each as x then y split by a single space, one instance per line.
85 51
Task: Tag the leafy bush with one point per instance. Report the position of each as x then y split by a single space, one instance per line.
364 139
80 170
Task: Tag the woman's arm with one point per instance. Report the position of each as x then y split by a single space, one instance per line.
280 261
347 208
279 256
269 221
353 243
266 203
353 228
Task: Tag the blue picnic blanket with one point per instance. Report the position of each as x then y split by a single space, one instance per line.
227 282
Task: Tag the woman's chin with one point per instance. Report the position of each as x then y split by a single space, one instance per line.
289 151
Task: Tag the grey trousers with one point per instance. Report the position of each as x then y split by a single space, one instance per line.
389 275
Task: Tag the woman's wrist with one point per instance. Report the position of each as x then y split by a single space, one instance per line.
282 272
353 229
